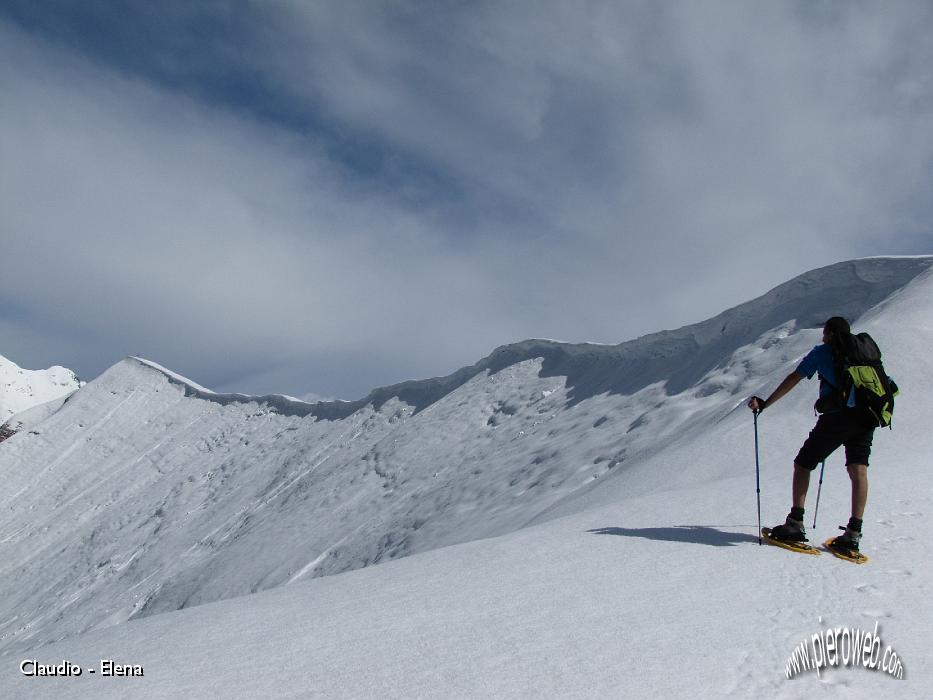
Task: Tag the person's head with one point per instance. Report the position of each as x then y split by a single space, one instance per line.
836 327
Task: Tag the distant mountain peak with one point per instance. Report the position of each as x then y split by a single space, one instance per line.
22 389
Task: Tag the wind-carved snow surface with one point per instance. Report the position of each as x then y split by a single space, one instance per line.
146 494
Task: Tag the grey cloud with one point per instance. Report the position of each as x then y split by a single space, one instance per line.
591 173
695 125
189 235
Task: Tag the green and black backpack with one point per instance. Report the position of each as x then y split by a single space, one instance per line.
858 362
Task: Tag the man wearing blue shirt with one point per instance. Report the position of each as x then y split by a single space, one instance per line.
840 423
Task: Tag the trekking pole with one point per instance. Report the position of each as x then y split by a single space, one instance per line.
820 488
757 478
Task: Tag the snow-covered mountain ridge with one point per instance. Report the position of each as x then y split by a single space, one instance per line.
680 358
146 493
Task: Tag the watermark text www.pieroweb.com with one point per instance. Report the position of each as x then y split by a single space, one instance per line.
844 647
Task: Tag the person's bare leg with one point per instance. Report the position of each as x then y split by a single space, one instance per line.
858 473
800 485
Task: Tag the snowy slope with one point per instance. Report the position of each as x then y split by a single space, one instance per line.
22 389
553 609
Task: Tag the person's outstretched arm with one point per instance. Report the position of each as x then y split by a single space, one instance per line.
758 404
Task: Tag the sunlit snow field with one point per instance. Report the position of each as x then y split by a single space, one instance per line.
557 521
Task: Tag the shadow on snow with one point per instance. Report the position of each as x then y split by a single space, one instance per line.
696 534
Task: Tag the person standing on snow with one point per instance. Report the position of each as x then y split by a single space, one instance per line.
839 424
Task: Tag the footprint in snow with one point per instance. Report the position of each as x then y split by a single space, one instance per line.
901 538
876 614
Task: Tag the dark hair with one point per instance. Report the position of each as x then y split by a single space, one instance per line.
838 326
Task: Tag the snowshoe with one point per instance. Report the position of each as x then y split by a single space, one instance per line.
791 531
846 546
793 545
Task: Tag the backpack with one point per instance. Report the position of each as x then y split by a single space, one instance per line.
858 363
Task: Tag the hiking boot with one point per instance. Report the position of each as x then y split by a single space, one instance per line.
791 531
849 540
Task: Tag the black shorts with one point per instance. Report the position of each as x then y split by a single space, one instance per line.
851 427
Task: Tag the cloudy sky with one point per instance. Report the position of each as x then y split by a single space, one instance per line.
327 197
